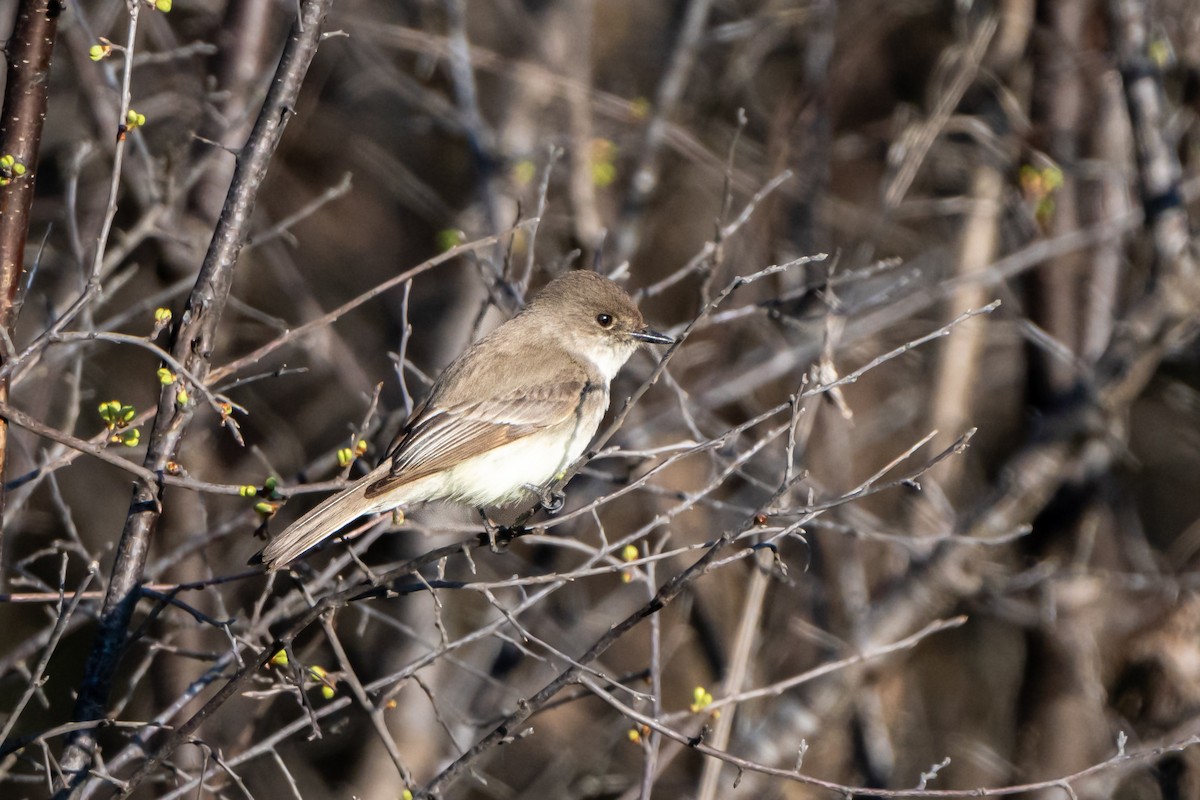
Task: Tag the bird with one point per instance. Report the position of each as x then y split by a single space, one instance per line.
504 419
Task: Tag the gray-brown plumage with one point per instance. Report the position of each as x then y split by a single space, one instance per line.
509 414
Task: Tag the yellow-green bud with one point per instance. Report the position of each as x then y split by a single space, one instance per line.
280 659
165 376
131 438
181 397
111 413
345 457
162 315
604 171
604 174
247 490
523 172
449 238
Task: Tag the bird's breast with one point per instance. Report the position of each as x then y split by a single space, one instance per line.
506 473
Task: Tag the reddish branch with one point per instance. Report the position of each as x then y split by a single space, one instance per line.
191 345
24 112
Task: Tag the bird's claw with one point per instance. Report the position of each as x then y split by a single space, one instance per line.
499 536
552 501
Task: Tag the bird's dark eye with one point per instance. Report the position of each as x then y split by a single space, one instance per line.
605 320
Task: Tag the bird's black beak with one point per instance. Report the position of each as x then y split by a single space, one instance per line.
650 336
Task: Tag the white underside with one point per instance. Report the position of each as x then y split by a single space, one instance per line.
500 476
506 474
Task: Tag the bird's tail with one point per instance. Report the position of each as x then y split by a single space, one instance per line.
317 525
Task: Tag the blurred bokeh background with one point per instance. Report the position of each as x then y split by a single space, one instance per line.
941 155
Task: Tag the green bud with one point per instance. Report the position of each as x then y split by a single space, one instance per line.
110 412
449 238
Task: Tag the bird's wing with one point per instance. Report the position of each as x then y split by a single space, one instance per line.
441 436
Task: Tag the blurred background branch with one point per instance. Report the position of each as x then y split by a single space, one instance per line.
918 515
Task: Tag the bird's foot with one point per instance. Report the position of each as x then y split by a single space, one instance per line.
498 536
549 499
553 501
491 529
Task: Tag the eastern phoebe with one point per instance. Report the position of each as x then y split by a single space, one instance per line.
506 417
